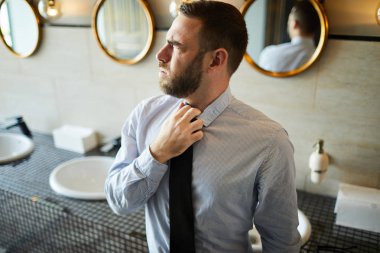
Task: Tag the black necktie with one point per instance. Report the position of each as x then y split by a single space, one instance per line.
181 204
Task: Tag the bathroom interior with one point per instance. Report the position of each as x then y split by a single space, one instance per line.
66 94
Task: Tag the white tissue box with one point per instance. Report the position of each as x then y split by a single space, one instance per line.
358 207
75 138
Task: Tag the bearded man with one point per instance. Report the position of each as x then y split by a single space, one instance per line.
240 170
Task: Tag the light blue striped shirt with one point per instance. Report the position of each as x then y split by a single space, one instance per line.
287 56
243 171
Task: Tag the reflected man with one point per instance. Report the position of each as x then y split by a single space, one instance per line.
303 23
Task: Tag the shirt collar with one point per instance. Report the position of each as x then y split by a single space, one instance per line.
299 40
216 108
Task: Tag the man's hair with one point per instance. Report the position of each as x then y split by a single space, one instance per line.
306 16
223 26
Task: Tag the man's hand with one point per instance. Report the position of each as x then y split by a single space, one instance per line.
177 134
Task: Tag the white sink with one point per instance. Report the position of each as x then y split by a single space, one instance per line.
81 178
304 228
14 147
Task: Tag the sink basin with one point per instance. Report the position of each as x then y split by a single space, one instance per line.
14 147
304 228
81 178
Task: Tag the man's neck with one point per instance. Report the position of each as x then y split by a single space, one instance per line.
202 98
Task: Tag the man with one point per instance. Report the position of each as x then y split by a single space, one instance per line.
303 23
242 169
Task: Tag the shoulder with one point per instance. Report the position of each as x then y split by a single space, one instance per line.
258 122
148 109
272 49
267 52
252 116
256 126
272 55
152 104
156 101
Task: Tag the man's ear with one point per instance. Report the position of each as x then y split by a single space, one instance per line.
296 24
219 58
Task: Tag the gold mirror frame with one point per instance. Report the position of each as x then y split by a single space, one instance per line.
321 43
146 9
39 33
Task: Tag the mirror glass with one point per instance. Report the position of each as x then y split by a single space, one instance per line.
285 36
124 29
19 27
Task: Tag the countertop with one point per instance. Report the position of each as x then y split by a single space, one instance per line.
55 223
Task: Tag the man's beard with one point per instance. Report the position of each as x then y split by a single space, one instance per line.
187 82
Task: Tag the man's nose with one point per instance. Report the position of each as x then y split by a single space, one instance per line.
164 54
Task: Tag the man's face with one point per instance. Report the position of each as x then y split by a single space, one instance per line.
181 60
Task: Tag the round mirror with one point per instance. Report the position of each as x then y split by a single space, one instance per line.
285 36
19 27
124 29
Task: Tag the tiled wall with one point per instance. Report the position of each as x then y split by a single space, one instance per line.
70 81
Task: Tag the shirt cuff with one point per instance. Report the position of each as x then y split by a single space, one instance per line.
150 167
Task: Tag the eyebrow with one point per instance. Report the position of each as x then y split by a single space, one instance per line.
175 43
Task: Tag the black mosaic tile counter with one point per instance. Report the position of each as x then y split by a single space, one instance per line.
326 237
35 219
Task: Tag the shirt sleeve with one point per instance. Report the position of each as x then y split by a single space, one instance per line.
134 177
276 215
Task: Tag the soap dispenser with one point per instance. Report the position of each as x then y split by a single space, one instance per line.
318 163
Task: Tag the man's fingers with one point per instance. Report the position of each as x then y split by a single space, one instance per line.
182 104
190 114
196 125
182 109
196 136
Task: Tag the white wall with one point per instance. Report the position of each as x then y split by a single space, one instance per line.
70 81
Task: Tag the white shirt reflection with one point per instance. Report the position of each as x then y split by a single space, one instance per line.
287 56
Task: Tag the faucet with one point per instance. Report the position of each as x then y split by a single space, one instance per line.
19 122
111 145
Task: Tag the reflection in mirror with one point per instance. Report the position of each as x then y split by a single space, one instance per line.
19 27
124 29
285 36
